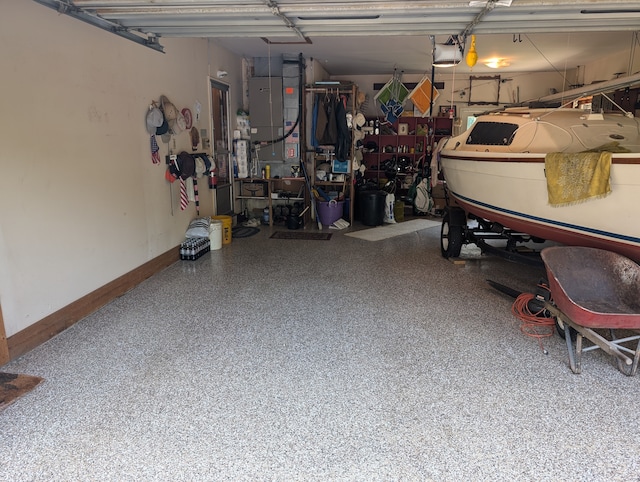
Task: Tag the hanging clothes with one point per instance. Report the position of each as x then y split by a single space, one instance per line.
314 123
327 128
343 140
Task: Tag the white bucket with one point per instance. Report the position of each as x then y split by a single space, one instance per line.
215 234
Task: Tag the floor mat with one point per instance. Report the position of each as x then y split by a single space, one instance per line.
244 231
392 230
301 235
13 386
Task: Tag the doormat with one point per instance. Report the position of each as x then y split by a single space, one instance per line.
13 386
392 230
244 231
301 235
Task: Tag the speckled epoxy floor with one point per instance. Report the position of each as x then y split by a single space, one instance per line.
319 360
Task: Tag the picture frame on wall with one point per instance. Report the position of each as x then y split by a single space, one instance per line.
448 111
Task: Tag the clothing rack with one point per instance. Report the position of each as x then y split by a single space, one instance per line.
330 90
346 185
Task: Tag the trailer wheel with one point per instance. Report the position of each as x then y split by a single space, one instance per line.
451 238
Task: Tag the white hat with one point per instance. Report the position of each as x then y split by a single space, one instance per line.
201 168
178 125
154 119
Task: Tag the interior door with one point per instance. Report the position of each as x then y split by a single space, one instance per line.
221 142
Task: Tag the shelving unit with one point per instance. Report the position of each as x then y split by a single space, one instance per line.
325 154
274 192
407 144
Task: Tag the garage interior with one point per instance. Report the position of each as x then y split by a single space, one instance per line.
321 359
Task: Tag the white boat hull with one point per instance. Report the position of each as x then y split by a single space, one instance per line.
511 189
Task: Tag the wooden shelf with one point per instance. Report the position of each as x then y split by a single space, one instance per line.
423 134
271 186
251 197
330 183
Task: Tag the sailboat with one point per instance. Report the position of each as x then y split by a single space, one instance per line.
567 174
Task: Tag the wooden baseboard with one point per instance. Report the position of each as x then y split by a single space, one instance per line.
50 326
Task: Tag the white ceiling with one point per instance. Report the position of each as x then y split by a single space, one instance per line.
412 54
361 37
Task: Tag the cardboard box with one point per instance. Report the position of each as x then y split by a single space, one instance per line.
254 189
437 191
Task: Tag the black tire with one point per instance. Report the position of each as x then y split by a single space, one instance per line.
572 333
451 238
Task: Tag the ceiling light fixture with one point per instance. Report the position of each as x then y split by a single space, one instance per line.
497 63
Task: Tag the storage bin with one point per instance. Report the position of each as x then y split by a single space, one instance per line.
371 205
329 212
227 222
215 234
253 188
339 166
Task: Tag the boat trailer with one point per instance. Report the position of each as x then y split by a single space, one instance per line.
460 228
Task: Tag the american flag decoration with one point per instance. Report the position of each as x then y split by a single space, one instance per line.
184 201
155 156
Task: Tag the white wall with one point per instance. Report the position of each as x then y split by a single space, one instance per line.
81 203
520 87
607 68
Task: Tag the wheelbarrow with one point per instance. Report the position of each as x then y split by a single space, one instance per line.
596 293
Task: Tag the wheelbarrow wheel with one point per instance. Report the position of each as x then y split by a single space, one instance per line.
560 330
451 238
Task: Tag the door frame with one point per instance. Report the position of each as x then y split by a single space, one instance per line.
220 123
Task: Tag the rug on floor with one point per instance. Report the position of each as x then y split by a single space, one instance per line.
244 231
301 235
392 230
13 386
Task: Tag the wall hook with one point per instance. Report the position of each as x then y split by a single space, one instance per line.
517 39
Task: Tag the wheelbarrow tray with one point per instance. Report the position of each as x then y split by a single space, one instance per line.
594 287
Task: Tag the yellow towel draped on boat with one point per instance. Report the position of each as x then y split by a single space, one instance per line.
576 177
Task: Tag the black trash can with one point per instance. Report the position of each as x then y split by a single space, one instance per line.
371 206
